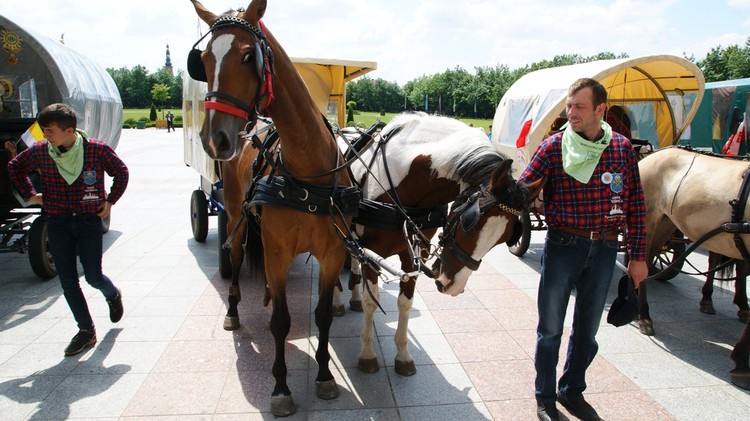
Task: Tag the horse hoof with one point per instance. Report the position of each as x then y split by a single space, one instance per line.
368 365
231 322
646 327
338 311
355 305
283 406
707 307
406 368
327 390
740 379
743 314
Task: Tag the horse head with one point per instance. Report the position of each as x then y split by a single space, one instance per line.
237 65
480 219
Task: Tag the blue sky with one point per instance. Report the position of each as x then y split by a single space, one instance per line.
407 38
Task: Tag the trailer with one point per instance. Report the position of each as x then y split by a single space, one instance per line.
659 94
36 71
325 79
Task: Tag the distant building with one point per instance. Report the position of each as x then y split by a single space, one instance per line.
168 63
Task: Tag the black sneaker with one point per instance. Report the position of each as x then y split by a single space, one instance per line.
579 408
115 307
79 342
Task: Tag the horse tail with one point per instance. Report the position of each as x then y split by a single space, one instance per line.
727 272
254 249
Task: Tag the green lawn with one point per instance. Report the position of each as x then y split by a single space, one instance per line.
137 113
362 118
367 119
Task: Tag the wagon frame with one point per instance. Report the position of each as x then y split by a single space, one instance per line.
661 94
325 79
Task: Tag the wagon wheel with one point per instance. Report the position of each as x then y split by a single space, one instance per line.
225 263
199 215
39 256
520 248
675 247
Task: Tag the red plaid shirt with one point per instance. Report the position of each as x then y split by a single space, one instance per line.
596 205
86 194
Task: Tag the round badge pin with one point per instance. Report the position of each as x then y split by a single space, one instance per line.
607 177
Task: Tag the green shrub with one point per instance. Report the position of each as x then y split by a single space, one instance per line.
153 115
143 119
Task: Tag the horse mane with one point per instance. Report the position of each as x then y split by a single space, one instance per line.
464 154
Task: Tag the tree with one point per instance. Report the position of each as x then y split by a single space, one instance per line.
160 94
152 115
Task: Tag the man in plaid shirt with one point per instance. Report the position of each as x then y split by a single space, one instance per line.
592 192
72 171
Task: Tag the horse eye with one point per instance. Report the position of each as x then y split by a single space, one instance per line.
248 57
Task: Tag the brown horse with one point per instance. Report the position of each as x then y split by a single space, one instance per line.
248 72
694 192
422 163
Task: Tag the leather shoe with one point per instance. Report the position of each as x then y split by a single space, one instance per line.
579 408
547 411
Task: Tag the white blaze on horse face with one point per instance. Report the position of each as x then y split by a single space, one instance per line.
219 48
491 232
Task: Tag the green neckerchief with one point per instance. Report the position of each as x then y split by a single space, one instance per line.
70 162
580 156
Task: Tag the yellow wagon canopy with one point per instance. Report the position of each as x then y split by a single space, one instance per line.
326 80
661 93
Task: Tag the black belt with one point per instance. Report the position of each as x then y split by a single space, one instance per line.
610 235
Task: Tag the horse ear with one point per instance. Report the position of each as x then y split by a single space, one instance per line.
535 188
203 13
255 11
500 175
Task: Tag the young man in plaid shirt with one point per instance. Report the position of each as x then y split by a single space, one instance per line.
592 192
74 202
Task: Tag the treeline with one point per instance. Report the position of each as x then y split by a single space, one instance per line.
453 92
137 85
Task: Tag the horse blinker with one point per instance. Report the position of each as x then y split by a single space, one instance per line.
470 216
195 67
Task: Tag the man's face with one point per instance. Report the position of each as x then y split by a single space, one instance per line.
57 136
583 117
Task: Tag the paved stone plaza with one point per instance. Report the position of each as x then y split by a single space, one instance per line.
170 359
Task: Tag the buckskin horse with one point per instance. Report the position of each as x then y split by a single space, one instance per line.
705 197
418 166
248 73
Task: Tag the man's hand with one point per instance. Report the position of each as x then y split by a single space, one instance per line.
103 212
37 199
638 271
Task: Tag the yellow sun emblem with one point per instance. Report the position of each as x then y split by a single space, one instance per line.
11 44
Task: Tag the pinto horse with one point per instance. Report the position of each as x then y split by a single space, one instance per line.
421 164
697 193
248 72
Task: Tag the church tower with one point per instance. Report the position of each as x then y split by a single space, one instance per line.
168 63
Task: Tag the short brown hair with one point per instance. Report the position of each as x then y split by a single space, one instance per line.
59 114
599 93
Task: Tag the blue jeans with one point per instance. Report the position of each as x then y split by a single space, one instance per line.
82 235
570 263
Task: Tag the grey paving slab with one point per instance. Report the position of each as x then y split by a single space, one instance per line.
169 358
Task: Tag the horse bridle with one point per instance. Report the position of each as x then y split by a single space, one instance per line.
468 214
263 67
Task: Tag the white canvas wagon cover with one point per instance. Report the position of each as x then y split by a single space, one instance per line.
46 72
661 93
